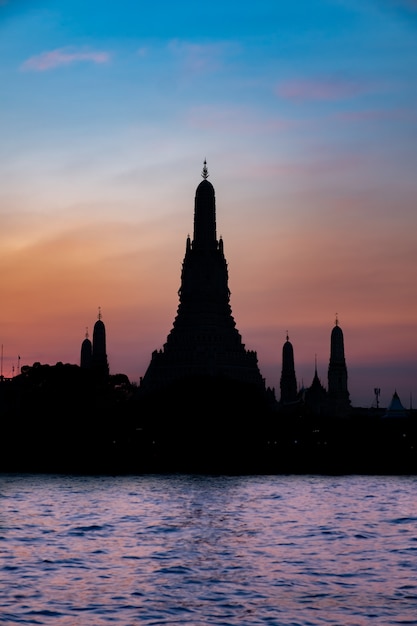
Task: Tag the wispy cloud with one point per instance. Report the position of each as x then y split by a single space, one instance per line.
327 89
198 58
235 120
63 56
376 115
142 52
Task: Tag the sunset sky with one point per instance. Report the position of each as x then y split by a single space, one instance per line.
307 115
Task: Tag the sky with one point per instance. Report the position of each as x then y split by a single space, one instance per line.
307 115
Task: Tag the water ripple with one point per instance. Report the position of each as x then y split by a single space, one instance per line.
203 550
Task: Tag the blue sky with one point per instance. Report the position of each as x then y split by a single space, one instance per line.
306 113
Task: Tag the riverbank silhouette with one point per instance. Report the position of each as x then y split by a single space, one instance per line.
64 418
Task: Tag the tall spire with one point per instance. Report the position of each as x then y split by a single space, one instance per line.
99 358
205 215
86 351
337 372
288 382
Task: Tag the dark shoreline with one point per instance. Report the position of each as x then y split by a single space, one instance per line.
60 419
335 450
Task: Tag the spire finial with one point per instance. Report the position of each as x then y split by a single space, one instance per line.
205 173
86 332
337 320
287 336
99 313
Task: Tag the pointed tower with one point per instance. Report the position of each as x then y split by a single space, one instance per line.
315 396
99 357
86 352
337 372
288 382
204 342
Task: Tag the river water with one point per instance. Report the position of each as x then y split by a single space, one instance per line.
201 550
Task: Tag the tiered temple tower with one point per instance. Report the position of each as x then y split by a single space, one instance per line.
204 342
99 360
337 373
288 382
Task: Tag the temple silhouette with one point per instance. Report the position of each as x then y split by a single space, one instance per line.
204 363
204 341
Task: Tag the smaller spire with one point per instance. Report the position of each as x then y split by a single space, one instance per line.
205 173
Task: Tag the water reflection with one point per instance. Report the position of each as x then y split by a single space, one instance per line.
208 550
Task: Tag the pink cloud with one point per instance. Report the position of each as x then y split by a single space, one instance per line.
306 168
236 120
330 89
62 56
376 115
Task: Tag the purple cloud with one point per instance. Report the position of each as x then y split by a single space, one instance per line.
330 89
370 115
236 120
62 56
